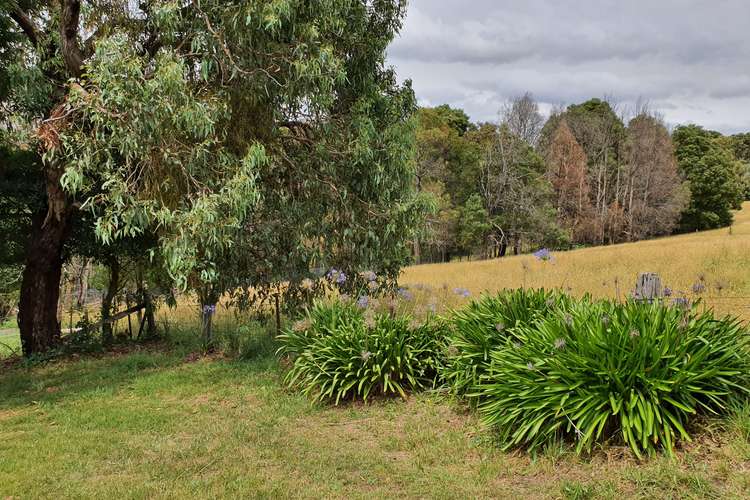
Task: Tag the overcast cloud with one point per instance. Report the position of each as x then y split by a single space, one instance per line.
689 58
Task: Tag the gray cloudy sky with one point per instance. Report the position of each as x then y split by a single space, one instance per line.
689 58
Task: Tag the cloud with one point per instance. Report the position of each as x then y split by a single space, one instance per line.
682 54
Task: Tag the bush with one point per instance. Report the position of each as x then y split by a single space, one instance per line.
338 353
596 371
486 324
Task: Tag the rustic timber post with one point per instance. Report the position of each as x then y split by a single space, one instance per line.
648 287
207 323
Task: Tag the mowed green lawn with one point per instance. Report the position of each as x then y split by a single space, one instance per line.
159 422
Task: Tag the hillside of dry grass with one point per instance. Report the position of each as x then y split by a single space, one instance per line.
719 259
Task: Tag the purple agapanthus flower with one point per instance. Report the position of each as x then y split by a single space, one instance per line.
336 276
363 301
405 294
209 309
369 276
463 292
543 254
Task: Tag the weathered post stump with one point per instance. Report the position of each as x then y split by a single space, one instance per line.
648 287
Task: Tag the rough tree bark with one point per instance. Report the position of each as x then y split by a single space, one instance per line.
40 285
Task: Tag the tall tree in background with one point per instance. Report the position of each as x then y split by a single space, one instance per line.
265 124
713 175
740 145
522 117
516 193
445 160
440 227
653 196
473 225
601 134
567 169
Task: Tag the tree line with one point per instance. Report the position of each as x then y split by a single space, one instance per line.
583 176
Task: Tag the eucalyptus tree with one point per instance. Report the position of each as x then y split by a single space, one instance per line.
566 169
444 161
273 127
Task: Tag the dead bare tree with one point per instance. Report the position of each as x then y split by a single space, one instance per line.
653 196
522 117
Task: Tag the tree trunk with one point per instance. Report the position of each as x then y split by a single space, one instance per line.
148 314
83 283
503 248
207 321
40 287
114 284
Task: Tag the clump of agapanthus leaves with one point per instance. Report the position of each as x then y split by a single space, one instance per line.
590 372
345 349
485 324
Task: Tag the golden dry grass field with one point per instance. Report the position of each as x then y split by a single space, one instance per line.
721 258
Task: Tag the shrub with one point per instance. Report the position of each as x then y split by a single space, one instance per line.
485 325
337 353
600 370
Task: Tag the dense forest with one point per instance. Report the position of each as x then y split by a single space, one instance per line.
583 176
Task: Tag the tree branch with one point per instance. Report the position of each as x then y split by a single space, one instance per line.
27 25
70 11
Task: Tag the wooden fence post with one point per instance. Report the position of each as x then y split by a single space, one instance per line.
207 323
648 287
